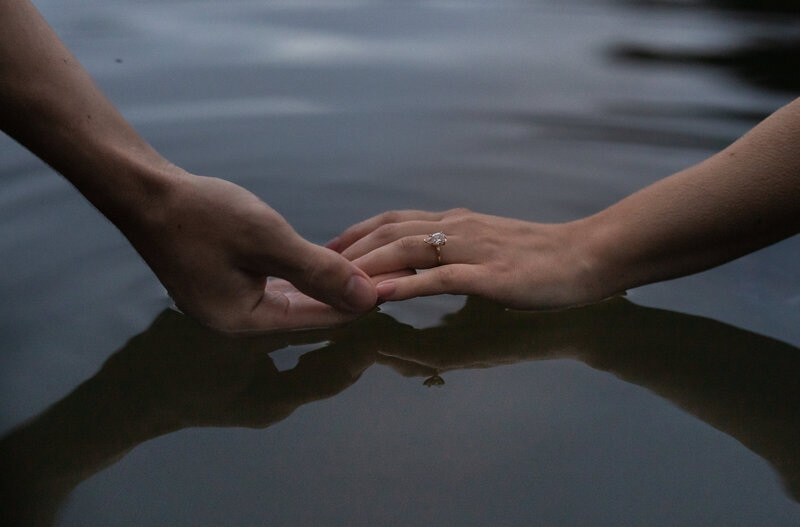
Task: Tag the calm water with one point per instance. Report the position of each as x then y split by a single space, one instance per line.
677 406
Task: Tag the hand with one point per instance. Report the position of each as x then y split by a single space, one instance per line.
484 334
213 244
516 263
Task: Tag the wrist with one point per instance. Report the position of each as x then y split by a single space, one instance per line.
601 270
133 190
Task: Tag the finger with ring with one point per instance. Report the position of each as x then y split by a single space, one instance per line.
410 252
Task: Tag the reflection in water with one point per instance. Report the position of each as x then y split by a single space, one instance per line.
770 61
175 375
741 383
178 374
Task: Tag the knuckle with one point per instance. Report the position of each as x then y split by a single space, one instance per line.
465 224
504 268
390 216
448 277
316 271
486 238
459 211
409 242
474 223
386 232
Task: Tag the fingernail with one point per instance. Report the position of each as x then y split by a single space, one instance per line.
333 244
359 295
385 289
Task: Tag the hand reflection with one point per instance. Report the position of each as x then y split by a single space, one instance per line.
178 374
743 384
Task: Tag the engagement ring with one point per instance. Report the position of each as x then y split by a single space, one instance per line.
436 240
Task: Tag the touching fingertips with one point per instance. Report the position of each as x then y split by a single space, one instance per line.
386 289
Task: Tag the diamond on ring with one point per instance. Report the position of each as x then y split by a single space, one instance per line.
437 239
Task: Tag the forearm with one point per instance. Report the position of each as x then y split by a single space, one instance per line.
739 200
46 458
211 243
52 107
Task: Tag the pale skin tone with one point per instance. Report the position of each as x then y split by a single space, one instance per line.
211 243
742 199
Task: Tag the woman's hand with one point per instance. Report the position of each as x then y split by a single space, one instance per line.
737 201
516 263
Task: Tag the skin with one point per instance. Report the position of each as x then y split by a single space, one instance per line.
211 243
742 199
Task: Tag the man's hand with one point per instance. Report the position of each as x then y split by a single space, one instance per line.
213 244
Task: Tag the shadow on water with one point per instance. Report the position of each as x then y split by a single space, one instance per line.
178 374
770 61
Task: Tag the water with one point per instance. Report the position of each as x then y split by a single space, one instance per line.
677 406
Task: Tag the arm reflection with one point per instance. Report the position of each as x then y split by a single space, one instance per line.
178 374
175 375
744 384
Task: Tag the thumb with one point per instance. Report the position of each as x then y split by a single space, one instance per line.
329 277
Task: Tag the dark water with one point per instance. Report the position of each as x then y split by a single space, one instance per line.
677 406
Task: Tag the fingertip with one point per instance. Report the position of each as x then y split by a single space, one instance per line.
359 294
386 289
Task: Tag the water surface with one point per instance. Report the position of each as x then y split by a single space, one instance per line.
677 406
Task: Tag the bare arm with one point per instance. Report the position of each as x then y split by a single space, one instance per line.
52 106
210 242
739 200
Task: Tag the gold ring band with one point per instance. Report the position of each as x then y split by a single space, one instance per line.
436 240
